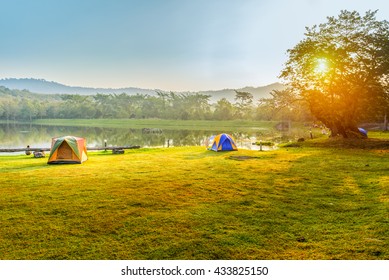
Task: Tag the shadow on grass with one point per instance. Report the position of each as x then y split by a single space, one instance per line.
341 143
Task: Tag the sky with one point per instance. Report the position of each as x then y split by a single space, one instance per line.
174 45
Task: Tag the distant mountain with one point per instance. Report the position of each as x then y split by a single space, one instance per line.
257 92
47 87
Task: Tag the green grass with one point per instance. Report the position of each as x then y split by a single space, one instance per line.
314 201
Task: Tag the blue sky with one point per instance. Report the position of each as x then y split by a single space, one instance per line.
177 45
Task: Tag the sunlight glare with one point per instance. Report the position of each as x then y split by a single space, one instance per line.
321 66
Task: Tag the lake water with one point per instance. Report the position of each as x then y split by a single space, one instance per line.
39 136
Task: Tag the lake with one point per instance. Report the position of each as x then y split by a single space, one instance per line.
39 136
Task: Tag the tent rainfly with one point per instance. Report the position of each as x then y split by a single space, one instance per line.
223 142
68 149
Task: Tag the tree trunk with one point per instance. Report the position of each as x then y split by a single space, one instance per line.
346 132
342 130
334 131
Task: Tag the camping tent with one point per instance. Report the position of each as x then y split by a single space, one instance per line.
223 142
362 131
68 149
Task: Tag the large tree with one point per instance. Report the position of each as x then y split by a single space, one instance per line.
243 105
341 69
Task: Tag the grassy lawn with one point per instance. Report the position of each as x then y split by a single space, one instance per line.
313 201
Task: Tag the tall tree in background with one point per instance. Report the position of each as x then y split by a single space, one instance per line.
224 110
283 105
341 69
244 104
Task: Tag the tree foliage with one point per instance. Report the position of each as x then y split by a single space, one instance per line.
244 104
25 106
284 105
341 70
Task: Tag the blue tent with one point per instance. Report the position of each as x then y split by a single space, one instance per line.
362 131
223 142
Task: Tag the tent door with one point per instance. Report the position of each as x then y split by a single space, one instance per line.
64 151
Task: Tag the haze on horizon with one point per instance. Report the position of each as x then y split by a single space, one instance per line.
169 45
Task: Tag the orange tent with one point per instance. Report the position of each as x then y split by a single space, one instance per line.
68 149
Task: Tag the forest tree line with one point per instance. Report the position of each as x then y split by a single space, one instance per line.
16 105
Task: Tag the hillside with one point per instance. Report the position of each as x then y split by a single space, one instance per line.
257 92
49 87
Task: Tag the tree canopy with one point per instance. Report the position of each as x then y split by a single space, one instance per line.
341 69
18 105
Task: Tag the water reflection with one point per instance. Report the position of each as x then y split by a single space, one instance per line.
21 135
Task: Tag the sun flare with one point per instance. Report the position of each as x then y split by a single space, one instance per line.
321 66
